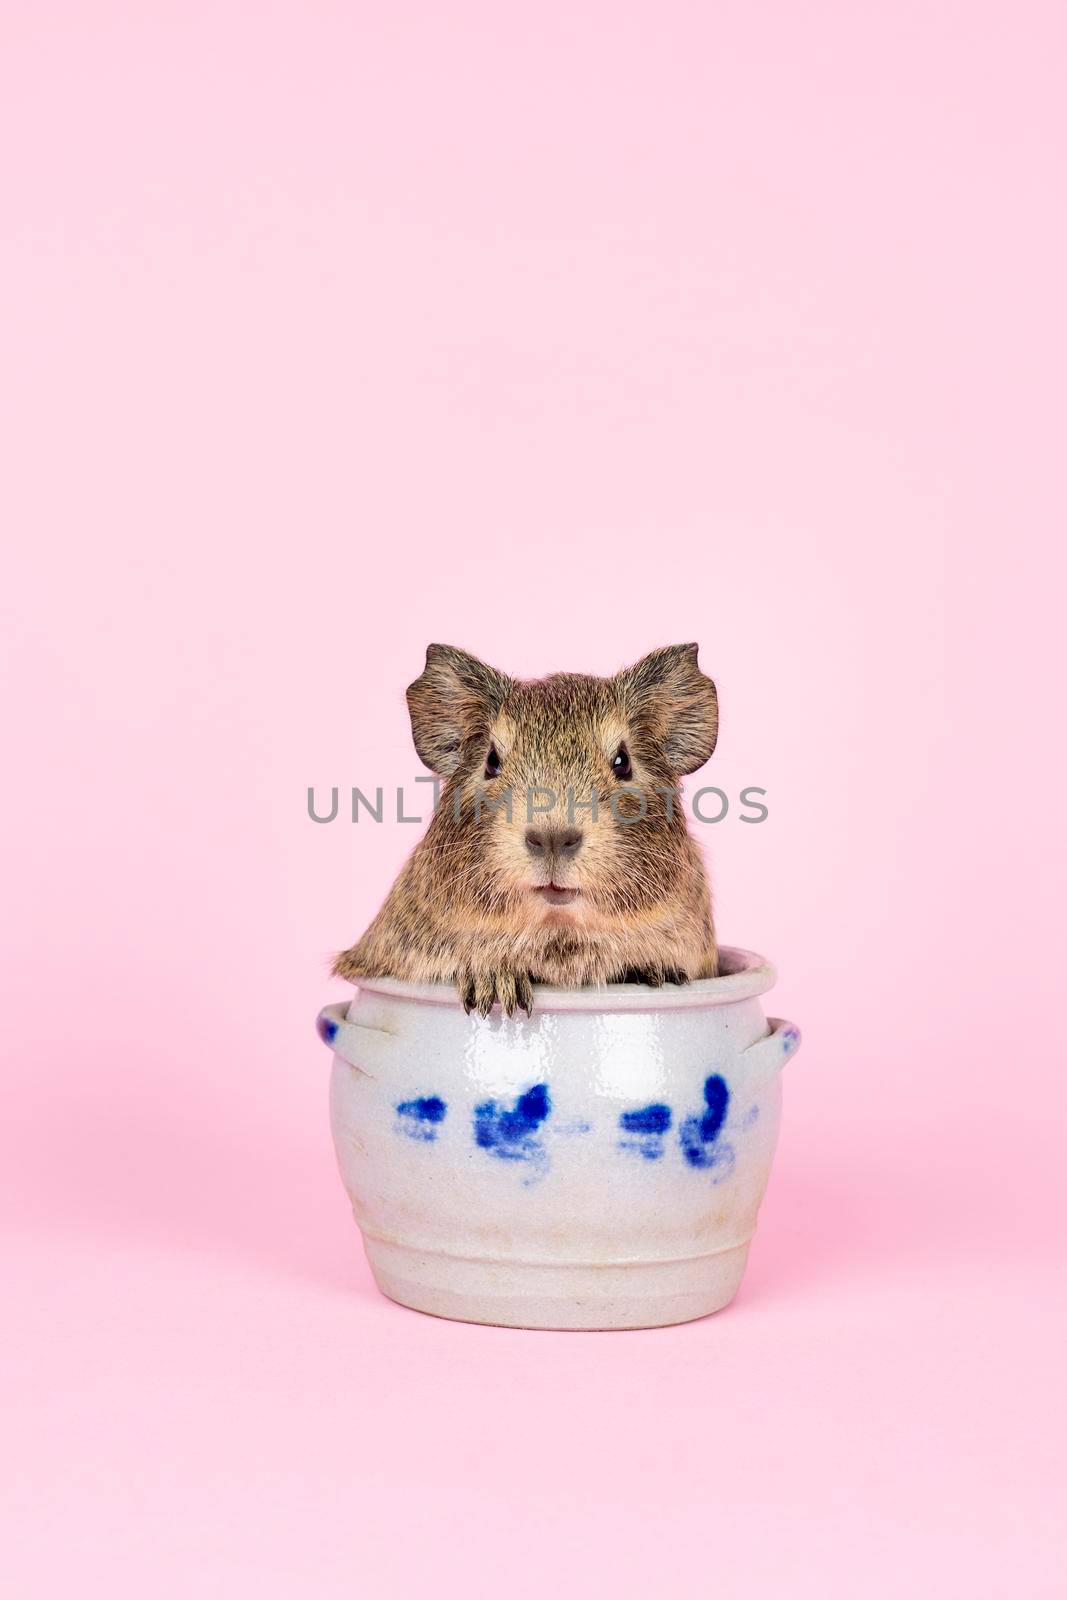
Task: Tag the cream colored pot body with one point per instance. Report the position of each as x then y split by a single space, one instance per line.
599 1164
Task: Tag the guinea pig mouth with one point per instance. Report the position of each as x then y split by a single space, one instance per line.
553 895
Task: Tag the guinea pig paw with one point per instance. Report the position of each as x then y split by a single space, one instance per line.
481 990
651 976
654 976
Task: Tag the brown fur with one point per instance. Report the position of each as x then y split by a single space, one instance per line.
465 909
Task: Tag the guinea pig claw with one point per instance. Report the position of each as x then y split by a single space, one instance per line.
505 993
515 993
524 992
485 988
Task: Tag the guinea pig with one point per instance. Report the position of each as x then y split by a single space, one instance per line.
558 851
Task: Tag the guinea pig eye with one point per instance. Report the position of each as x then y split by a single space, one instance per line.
621 767
492 763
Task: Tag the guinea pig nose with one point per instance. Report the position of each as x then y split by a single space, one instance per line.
553 841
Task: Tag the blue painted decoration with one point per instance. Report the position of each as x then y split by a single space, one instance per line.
645 1129
419 1118
512 1135
650 1119
327 1028
698 1136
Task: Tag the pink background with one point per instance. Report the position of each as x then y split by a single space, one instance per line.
557 332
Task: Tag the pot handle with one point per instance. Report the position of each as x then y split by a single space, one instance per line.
769 1054
354 1042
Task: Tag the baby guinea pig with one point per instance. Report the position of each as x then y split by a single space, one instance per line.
558 852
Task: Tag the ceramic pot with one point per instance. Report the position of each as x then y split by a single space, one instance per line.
596 1165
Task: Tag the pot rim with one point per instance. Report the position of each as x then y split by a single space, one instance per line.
746 975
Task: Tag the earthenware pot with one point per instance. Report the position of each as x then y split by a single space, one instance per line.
596 1165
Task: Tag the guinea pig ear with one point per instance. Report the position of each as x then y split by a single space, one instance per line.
667 694
455 697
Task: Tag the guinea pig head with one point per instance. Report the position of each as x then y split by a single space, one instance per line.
560 801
